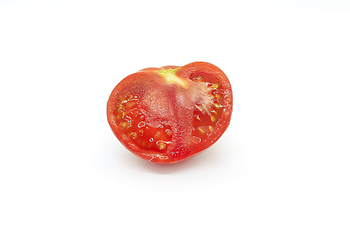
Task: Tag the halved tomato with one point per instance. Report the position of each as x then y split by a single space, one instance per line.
168 114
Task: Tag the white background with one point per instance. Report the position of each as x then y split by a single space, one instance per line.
281 171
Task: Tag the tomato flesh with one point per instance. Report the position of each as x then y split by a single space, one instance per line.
206 112
131 120
166 115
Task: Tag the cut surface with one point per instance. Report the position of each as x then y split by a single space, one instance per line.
132 121
170 77
208 107
168 114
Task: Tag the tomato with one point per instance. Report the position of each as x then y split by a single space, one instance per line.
168 114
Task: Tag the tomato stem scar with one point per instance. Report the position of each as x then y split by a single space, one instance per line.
170 76
201 130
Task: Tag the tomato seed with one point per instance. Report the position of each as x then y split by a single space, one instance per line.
198 108
215 86
141 124
123 124
133 135
168 132
196 139
129 105
217 105
157 134
161 145
198 78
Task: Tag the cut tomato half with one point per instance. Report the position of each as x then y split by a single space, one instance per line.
168 114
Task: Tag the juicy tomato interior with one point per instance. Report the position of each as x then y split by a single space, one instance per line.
168 114
207 110
131 119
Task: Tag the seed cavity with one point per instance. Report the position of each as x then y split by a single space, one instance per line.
208 108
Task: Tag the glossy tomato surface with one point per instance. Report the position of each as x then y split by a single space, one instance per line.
168 114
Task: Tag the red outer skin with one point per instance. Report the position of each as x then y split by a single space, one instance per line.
181 118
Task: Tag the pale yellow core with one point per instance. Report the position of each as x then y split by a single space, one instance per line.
170 76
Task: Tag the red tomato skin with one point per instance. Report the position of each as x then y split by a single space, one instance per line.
171 105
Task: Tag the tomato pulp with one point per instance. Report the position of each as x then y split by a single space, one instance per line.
168 114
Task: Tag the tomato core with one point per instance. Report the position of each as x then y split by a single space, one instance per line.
170 77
